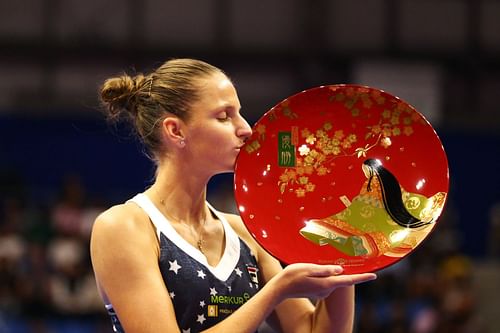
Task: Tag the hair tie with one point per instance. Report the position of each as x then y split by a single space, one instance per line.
150 83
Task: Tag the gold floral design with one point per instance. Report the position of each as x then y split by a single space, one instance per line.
261 129
252 146
322 145
287 111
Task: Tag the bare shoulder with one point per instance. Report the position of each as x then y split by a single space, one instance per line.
120 214
124 251
121 219
122 228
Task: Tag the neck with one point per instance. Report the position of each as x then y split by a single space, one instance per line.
181 195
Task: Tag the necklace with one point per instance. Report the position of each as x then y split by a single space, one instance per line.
197 235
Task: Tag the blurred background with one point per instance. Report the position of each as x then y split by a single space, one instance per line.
61 163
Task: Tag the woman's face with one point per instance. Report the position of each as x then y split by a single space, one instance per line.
216 130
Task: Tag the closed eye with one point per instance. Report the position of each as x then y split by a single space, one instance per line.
225 114
223 117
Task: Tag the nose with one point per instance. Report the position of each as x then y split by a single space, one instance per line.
243 131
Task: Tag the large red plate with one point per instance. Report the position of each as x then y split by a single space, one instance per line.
341 174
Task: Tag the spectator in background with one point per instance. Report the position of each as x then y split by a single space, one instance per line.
13 249
71 282
23 273
67 212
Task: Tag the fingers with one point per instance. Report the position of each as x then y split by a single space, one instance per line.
311 280
336 270
352 279
329 284
325 270
319 271
365 277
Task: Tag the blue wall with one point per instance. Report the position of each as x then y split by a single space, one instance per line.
42 150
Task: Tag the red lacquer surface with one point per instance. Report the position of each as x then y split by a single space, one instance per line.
304 162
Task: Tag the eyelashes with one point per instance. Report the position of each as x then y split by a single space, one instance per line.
223 116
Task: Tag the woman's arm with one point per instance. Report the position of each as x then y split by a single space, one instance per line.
284 293
334 312
124 252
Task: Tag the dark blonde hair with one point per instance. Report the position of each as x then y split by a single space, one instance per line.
146 99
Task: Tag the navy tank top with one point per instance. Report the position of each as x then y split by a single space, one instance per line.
202 295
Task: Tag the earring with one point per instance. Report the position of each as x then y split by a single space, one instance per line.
182 143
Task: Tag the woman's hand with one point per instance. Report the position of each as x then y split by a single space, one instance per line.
287 292
315 281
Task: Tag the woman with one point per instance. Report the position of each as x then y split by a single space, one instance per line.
166 261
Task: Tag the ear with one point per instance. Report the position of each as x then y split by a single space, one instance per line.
173 131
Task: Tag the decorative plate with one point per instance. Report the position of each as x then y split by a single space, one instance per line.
341 174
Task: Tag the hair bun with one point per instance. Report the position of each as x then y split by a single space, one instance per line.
119 94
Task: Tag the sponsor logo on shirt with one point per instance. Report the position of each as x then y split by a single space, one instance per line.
213 310
238 300
252 272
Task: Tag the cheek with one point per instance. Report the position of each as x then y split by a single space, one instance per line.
212 143
213 139
218 144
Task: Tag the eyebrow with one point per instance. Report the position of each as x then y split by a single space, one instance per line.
227 106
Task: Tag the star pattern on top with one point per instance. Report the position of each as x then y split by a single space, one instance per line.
174 266
201 319
182 270
201 274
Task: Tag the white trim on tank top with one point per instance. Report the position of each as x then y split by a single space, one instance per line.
231 254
